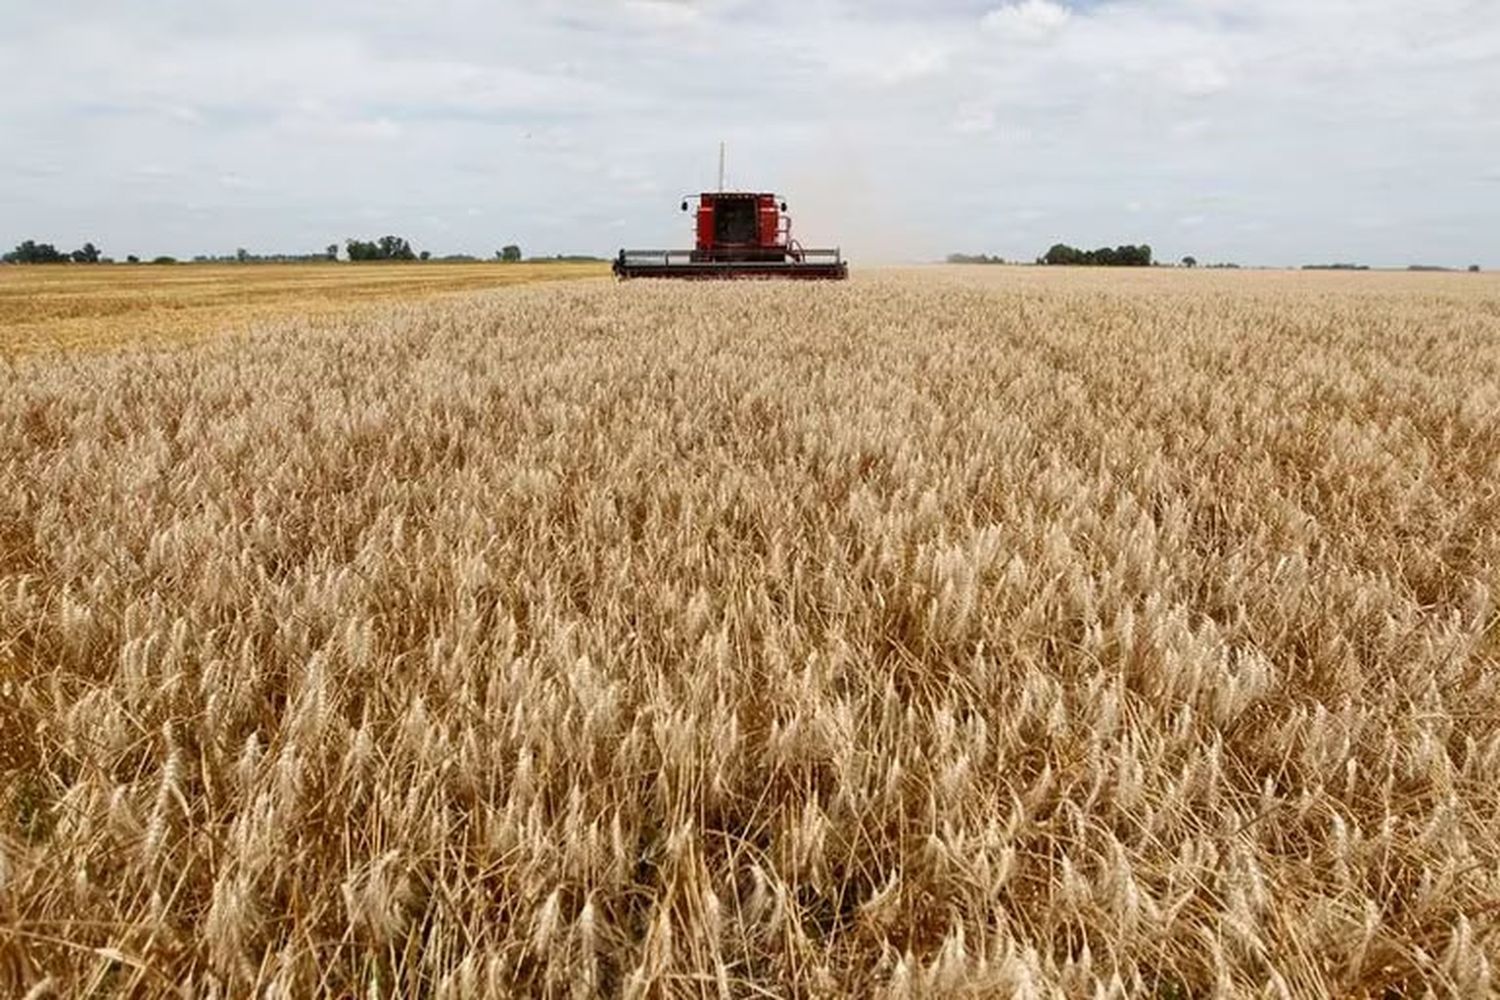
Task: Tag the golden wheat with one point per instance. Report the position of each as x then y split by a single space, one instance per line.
47 309
994 633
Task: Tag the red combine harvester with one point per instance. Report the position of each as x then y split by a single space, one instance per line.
740 235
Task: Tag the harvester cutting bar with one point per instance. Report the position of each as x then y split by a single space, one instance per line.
807 264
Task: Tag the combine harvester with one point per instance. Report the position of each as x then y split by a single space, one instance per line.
741 234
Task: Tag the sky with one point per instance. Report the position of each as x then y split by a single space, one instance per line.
1273 132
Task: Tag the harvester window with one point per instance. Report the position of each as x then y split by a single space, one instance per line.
735 220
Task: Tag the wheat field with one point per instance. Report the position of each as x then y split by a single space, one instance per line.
961 632
72 309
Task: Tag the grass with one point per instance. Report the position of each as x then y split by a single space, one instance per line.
988 632
77 307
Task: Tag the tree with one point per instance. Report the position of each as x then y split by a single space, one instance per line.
164 259
131 258
32 252
1122 256
1473 268
1190 261
510 254
1062 255
242 255
395 248
332 251
425 255
385 248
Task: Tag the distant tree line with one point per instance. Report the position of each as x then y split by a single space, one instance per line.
974 258
1472 268
243 256
569 258
384 248
512 255
32 252
1123 256
398 248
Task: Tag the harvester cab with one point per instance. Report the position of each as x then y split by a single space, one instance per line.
740 234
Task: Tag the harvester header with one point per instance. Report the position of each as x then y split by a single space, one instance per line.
740 234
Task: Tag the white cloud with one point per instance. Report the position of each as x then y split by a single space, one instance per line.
914 64
665 12
184 113
328 125
882 59
973 120
894 132
1027 20
1200 76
